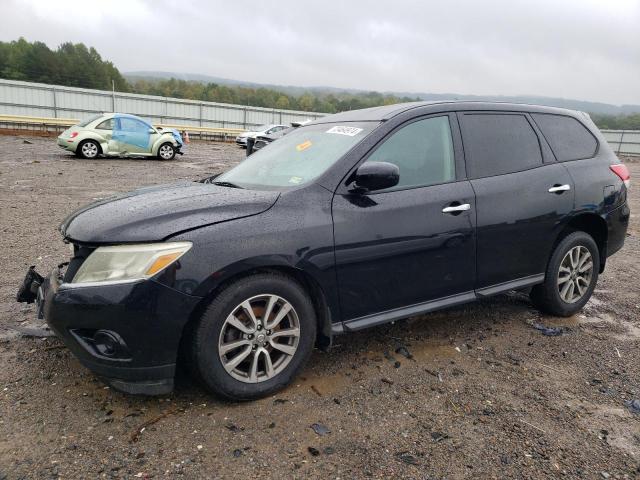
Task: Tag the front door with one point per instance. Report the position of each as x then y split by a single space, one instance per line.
131 136
412 243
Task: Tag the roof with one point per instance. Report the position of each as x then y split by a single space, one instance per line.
386 112
124 115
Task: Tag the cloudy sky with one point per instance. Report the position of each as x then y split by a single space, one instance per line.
580 49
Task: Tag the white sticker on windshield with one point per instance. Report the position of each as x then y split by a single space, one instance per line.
342 130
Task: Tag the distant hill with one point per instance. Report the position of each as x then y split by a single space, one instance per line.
583 105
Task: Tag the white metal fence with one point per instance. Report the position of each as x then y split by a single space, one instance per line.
42 100
624 142
58 102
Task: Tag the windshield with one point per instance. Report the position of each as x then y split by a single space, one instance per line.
261 128
86 122
297 158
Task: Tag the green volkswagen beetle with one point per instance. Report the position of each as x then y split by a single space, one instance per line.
120 135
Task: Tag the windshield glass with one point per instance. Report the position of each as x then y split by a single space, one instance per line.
297 158
86 122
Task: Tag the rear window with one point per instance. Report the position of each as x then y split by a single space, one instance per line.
87 121
496 144
569 139
106 125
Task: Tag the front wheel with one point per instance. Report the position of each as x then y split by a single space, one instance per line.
166 151
254 337
571 276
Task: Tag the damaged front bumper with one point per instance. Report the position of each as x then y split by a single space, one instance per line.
127 334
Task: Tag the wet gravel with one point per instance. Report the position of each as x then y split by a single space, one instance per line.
472 392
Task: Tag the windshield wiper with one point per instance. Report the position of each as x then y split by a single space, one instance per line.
227 184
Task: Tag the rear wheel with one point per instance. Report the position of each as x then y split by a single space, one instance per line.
166 151
254 337
88 149
571 276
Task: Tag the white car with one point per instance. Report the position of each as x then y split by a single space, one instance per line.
261 130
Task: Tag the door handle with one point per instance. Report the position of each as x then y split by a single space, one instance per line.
559 188
456 208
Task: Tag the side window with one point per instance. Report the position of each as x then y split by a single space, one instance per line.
496 144
569 139
422 150
106 125
132 125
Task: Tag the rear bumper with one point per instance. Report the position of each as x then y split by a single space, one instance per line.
66 144
127 334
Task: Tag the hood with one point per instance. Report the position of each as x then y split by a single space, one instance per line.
155 213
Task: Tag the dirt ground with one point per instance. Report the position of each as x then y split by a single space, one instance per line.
470 392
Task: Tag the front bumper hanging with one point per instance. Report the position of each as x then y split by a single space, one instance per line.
28 291
127 334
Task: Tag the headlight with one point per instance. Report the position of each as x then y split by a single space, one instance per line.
128 263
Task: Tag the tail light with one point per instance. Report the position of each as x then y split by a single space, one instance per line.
73 135
622 171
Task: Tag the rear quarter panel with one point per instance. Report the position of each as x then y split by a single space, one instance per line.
89 134
599 191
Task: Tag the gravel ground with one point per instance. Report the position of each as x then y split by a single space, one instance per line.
468 392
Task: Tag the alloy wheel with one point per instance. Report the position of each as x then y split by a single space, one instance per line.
89 150
575 273
259 338
166 152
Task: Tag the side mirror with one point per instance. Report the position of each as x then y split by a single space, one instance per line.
376 176
151 131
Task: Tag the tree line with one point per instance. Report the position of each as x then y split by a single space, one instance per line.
73 65
263 97
617 122
76 65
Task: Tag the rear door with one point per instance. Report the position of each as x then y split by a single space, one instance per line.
412 243
522 195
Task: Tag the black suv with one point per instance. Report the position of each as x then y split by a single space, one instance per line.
355 220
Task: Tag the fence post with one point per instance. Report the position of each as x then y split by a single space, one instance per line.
200 113
113 97
244 118
620 143
55 103
166 109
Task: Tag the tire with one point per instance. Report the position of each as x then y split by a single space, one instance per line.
89 149
213 332
166 151
573 254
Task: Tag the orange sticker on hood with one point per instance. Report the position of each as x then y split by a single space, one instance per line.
304 145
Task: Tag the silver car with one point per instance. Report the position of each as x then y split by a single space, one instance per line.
120 135
267 129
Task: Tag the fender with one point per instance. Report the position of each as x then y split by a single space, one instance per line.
311 278
164 138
